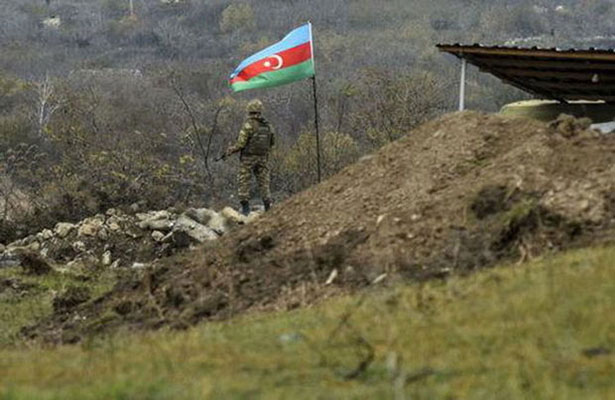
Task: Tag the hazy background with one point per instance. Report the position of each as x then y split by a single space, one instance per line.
102 108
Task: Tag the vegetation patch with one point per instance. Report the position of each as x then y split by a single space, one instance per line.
540 330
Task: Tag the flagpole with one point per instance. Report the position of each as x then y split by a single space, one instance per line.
316 125
317 128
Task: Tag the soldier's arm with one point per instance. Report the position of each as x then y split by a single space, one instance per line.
242 139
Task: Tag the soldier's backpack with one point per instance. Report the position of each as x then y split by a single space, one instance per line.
260 140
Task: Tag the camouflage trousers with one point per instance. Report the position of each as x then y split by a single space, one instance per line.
259 166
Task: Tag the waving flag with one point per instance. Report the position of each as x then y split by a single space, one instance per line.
287 61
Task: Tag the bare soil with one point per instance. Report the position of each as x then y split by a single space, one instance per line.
463 192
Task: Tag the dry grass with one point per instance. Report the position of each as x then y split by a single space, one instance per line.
544 330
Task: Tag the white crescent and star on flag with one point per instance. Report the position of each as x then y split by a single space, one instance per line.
274 62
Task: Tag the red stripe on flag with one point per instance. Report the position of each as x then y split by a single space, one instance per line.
290 57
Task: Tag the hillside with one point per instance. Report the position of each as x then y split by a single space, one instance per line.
542 330
103 105
460 193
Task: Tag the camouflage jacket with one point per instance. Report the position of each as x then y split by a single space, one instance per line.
247 131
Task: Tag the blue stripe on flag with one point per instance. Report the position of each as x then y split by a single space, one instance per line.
293 39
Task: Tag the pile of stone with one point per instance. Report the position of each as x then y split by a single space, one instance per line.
122 239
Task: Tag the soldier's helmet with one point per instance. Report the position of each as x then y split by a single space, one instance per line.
255 106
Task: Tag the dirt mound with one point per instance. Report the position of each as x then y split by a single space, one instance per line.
463 192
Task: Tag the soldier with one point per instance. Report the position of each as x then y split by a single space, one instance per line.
254 143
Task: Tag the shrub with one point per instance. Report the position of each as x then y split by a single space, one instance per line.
237 17
295 168
393 104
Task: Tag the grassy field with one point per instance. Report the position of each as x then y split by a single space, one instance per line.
544 330
31 297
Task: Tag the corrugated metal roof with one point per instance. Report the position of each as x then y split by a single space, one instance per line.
553 73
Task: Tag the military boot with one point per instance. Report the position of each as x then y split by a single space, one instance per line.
267 204
245 208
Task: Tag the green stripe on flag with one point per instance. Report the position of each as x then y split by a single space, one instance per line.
277 78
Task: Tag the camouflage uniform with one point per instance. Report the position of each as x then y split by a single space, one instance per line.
260 167
255 141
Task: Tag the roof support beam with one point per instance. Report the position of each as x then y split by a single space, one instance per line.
547 73
462 85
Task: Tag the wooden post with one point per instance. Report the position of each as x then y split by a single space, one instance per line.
462 85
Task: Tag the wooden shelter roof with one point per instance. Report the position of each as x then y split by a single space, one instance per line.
549 73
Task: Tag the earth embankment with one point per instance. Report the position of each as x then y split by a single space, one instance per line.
463 192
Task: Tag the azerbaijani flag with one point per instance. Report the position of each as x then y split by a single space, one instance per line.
287 61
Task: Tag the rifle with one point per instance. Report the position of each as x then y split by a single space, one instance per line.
220 158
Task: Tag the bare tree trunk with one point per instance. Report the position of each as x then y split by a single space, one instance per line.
46 106
204 149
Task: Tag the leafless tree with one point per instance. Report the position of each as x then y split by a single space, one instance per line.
46 104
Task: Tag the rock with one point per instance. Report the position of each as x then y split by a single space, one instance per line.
196 231
79 247
113 223
233 215
379 279
133 233
90 227
331 277
201 215
185 223
218 224
138 265
15 244
134 207
115 264
164 225
2 248
29 240
209 218
154 215
103 234
156 221
34 264
111 212
158 236
47 234
62 229
292 337
178 239
106 258
254 215
568 126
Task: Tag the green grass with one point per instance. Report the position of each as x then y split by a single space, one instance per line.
17 311
507 333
